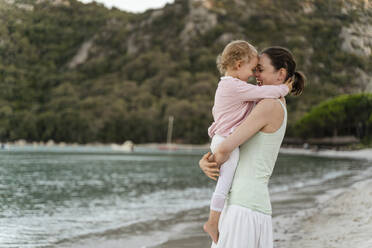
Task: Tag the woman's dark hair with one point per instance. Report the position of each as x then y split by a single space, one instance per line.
282 58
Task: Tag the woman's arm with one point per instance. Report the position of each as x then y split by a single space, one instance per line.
256 120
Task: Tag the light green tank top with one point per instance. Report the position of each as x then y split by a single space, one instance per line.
256 163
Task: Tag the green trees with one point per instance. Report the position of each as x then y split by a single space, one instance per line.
341 116
139 68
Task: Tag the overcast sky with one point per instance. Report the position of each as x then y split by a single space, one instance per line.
132 5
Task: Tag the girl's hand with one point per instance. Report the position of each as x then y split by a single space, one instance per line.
289 83
209 166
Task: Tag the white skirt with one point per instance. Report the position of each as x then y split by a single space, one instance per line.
242 227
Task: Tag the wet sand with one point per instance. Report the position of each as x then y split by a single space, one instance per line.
194 242
343 221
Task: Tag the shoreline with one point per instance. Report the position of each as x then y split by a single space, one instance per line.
364 154
343 221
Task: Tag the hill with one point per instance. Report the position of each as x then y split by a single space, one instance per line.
82 73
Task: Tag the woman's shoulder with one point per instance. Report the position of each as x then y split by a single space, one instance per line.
273 111
270 106
270 103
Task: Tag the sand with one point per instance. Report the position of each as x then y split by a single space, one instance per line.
343 221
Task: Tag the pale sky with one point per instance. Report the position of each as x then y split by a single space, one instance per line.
132 5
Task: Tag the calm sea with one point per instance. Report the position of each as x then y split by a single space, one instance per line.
63 197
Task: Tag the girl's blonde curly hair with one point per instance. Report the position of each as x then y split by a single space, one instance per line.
233 52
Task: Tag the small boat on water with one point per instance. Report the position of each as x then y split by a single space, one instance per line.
127 146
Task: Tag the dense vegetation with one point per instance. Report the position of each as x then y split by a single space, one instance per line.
141 68
345 115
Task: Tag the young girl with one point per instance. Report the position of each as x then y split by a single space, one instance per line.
233 102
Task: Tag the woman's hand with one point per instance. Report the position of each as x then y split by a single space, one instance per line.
209 166
220 157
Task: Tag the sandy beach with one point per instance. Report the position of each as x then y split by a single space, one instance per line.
343 221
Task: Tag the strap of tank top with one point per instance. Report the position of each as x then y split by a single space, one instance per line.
285 109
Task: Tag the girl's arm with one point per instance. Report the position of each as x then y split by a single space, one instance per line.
256 120
250 92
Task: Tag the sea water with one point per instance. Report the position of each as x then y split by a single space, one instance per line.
71 196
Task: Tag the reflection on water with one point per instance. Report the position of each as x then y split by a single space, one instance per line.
49 196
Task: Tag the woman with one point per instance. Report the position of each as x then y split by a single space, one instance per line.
246 221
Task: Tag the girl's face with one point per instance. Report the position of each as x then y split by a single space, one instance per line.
246 69
265 73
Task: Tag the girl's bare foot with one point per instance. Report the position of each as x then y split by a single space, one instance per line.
212 230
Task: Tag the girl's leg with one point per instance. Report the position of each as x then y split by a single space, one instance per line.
223 186
227 172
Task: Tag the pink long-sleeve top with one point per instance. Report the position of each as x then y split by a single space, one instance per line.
235 99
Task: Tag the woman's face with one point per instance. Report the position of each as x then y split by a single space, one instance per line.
265 73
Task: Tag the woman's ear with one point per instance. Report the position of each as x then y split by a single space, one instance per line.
282 75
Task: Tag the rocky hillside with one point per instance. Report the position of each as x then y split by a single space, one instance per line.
83 73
